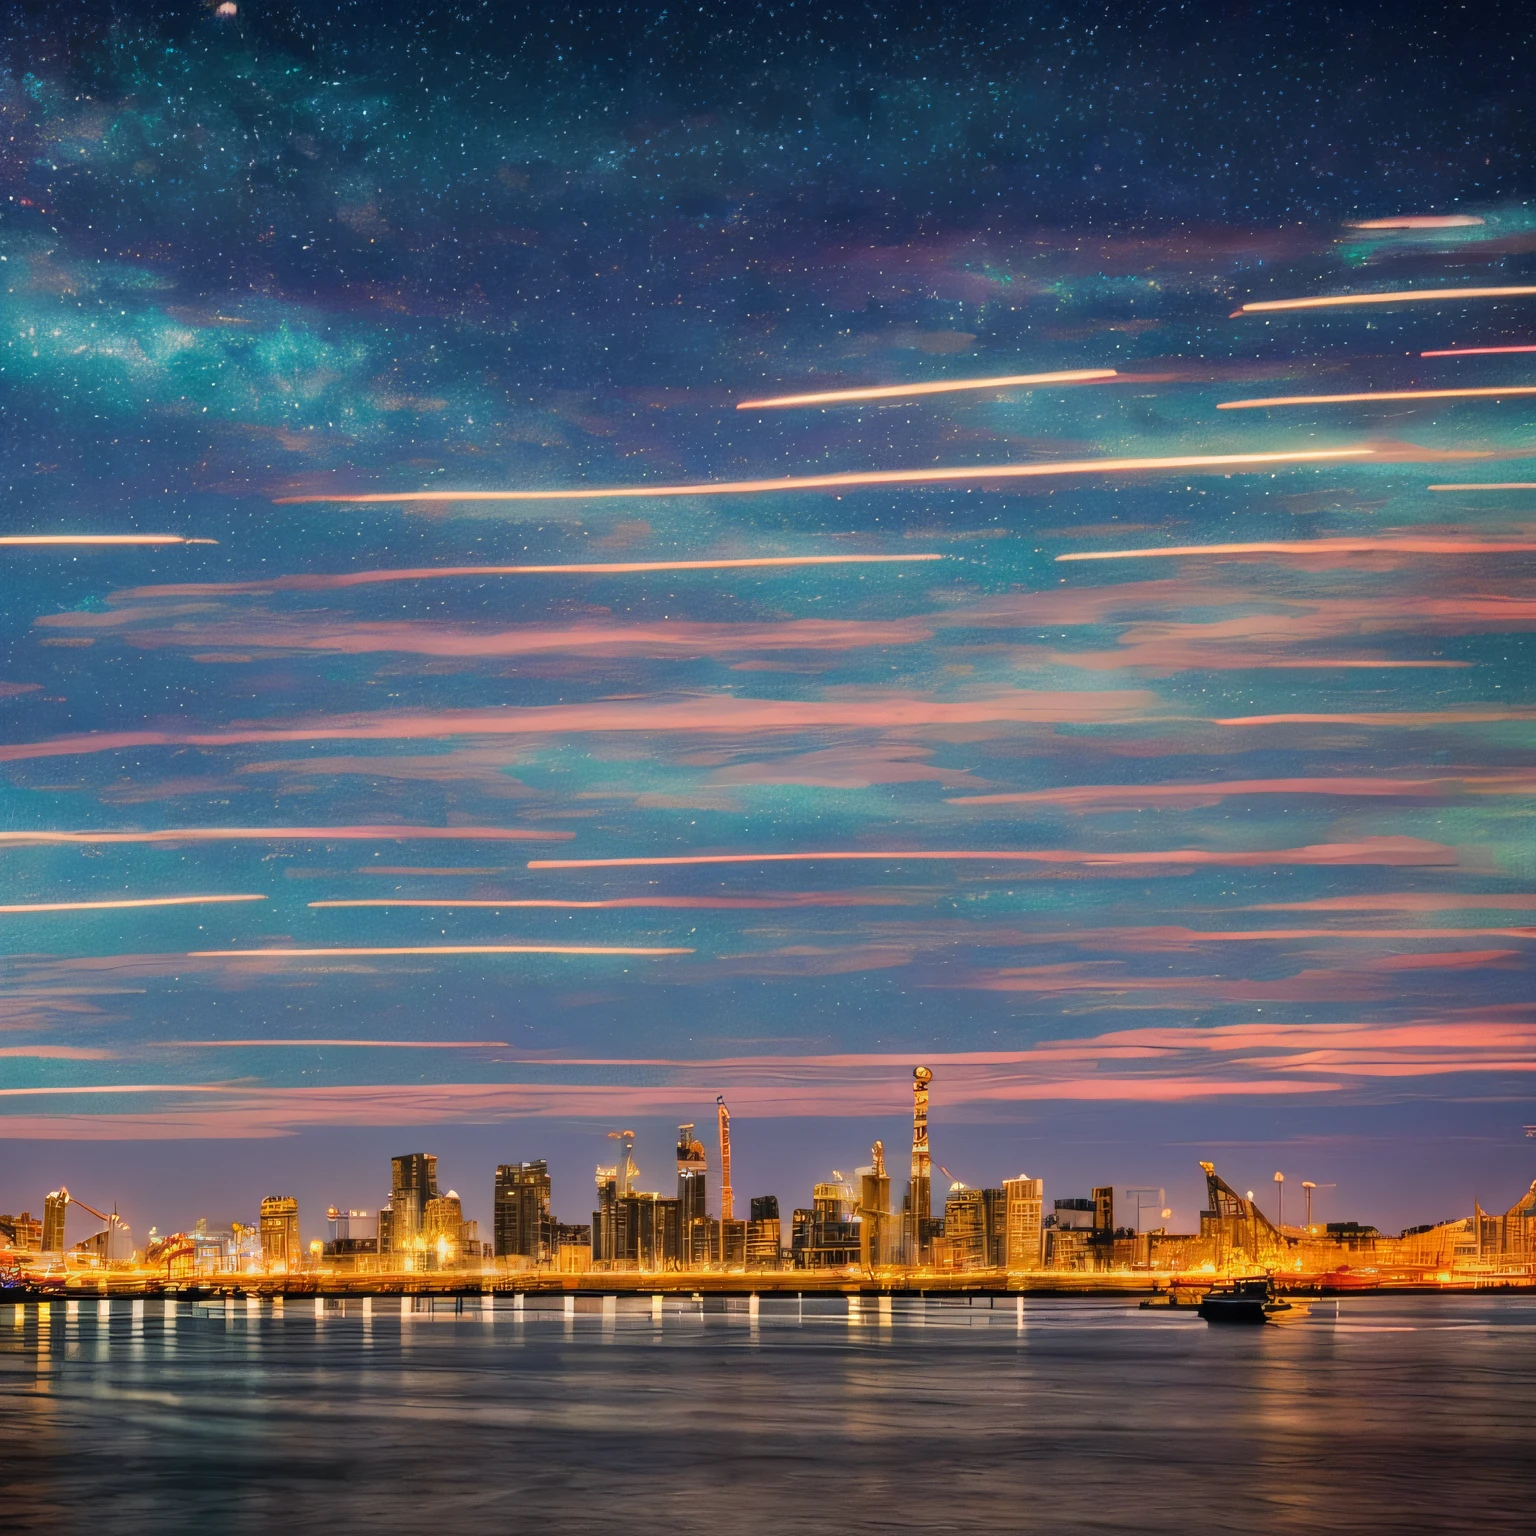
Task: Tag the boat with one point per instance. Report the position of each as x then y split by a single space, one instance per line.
1181 1298
1249 1301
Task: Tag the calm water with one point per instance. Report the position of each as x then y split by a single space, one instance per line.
1404 1415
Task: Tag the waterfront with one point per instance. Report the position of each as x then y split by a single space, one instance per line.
1387 1414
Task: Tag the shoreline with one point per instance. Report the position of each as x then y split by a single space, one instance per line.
597 1287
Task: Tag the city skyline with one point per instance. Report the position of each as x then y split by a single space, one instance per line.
852 1224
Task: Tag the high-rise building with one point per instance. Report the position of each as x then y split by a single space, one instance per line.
442 1228
918 1203
523 1224
964 1228
733 1244
443 1217
700 1237
994 1227
691 1188
829 1234
55 1208
604 1218
645 1233
876 1234
1023 1233
414 1182
281 1249
764 1234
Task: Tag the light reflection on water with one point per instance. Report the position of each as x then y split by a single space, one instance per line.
1402 1415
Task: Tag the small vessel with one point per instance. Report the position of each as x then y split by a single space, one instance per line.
1249 1301
1179 1297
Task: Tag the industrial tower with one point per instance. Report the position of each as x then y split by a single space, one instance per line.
918 1201
727 1198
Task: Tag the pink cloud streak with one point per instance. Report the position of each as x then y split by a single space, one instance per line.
1134 796
717 714
342 580
1403 901
427 638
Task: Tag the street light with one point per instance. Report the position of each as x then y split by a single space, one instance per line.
1280 1200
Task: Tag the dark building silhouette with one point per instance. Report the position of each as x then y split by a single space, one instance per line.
764 1235
523 1225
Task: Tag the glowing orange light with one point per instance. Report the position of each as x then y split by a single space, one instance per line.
953 475
1492 485
1474 351
936 387
100 538
1400 296
439 949
111 906
1361 546
1383 394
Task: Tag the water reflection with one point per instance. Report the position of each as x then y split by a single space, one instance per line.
1058 1417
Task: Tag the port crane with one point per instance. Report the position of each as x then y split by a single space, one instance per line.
113 1222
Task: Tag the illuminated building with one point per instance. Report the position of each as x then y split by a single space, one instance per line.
632 1230
24 1233
604 1218
994 1227
522 1223
828 1235
918 1207
349 1244
700 1236
1081 1235
764 1239
965 1237
1508 1240
1240 1233
570 1245
1023 1232
876 1231
55 1208
733 1244
442 1231
646 1232
281 1249
413 1183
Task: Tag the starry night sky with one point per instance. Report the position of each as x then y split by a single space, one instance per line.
1277 901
